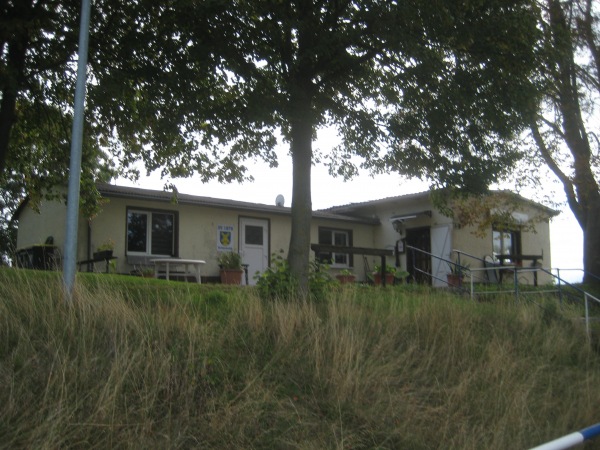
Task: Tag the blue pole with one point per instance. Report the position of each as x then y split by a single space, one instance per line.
571 440
70 250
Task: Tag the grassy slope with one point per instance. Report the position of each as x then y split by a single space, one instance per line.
150 364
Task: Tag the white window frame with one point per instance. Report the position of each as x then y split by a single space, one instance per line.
334 232
149 214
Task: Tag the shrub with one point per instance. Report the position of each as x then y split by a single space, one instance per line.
278 282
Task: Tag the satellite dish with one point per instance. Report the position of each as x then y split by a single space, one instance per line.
279 200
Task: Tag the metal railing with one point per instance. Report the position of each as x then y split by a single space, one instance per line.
557 287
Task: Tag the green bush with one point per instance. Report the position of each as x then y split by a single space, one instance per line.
278 282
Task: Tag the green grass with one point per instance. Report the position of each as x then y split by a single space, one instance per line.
137 363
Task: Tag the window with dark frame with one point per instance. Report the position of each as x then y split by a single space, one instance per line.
506 241
335 237
151 232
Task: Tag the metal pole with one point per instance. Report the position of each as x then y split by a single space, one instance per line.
571 440
516 281
587 316
70 250
559 287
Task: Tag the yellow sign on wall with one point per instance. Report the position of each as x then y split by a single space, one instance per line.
225 238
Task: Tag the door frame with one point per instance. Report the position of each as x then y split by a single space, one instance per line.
249 220
424 261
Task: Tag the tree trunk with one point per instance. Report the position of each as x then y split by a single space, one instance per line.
16 61
581 187
13 78
591 244
299 250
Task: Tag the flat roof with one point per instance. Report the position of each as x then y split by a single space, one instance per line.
111 190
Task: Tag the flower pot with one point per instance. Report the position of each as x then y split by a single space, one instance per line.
454 279
231 276
103 254
346 279
389 278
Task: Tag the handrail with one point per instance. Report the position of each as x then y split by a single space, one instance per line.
462 268
584 272
560 283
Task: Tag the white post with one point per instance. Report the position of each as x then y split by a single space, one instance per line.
70 250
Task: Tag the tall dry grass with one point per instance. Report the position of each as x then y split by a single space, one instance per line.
196 367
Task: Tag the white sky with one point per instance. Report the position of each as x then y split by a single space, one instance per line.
566 236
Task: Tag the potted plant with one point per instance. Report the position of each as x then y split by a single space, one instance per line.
230 264
401 275
457 273
390 273
105 250
346 276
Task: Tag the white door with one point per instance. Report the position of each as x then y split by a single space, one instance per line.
441 245
254 246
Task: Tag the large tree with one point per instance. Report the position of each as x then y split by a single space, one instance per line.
432 89
566 130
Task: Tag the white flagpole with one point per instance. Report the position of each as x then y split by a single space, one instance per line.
70 250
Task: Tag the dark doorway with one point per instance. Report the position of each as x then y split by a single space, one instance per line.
418 264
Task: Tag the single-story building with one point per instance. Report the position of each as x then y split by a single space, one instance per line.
147 224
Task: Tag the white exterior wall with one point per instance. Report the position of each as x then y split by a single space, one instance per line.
362 236
35 228
197 231
447 236
533 242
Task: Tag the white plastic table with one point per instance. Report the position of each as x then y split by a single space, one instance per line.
191 266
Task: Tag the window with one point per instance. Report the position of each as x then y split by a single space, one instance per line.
341 238
506 242
151 232
253 235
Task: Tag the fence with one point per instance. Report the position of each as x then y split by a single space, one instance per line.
481 276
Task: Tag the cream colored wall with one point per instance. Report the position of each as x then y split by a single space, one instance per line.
197 226
385 236
462 238
198 231
34 228
532 243
362 236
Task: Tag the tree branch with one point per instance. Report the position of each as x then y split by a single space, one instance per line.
564 179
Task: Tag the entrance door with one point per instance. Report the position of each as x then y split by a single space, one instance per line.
418 264
254 246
